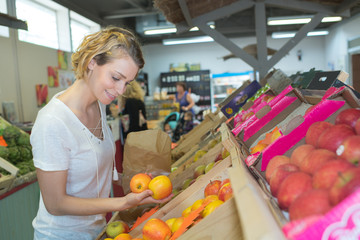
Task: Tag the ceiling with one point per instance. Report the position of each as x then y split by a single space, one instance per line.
135 14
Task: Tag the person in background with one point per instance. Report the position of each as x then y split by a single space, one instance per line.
168 129
183 98
133 100
72 144
188 122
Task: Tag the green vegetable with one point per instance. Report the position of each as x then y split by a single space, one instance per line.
25 153
11 132
25 167
4 152
14 155
23 140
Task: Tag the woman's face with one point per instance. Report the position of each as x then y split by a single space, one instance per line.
179 89
109 81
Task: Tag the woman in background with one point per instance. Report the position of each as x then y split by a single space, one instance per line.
183 98
133 100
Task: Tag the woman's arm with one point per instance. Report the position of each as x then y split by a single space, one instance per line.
190 101
58 202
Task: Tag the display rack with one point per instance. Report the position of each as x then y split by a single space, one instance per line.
198 81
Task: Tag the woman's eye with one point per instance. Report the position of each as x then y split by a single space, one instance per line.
116 79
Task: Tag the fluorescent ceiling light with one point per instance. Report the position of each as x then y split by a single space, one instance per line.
159 31
277 35
163 30
298 20
187 40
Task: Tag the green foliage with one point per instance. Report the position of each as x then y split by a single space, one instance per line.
25 167
11 132
14 155
23 140
4 152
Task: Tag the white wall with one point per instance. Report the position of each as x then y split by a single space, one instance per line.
22 66
336 49
209 55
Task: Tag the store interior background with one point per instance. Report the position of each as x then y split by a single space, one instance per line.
23 65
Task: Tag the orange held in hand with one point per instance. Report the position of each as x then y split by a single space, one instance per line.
156 229
161 187
140 182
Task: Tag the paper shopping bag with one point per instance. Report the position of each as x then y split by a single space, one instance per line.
146 152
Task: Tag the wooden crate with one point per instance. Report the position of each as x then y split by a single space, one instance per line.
7 181
266 218
210 123
186 170
175 207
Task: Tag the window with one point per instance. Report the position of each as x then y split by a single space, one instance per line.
42 24
4 31
80 27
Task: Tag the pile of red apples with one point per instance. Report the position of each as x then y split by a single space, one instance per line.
321 173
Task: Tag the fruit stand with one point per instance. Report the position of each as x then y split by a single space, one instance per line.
292 170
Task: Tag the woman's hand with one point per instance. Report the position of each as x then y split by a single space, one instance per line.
145 197
184 108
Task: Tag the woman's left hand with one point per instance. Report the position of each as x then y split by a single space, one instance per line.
134 199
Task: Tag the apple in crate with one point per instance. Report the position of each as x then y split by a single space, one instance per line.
345 184
156 229
314 131
274 163
292 187
350 149
332 137
177 224
199 170
209 166
211 207
299 154
115 228
212 188
326 175
123 236
225 192
279 176
316 159
348 116
310 203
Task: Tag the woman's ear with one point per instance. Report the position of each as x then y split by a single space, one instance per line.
91 64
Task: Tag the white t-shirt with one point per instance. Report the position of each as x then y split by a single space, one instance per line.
61 142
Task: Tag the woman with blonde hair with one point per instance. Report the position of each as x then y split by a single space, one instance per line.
73 147
133 100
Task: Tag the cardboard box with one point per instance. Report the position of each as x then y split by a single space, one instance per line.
267 116
325 80
238 99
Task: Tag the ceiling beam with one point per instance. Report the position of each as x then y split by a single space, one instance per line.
136 4
346 5
12 22
229 45
305 6
260 27
128 13
222 12
186 12
300 35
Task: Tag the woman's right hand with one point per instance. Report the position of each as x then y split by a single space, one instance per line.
145 197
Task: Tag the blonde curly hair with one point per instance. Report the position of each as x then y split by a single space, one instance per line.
134 90
103 46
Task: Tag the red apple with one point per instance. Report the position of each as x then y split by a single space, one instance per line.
348 116
292 187
314 132
332 137
357 127
300 153
310 203
212 188
309 109
274 163
227 180
279 174
225 192
326 175
218 157
345 184
350 149
315 160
